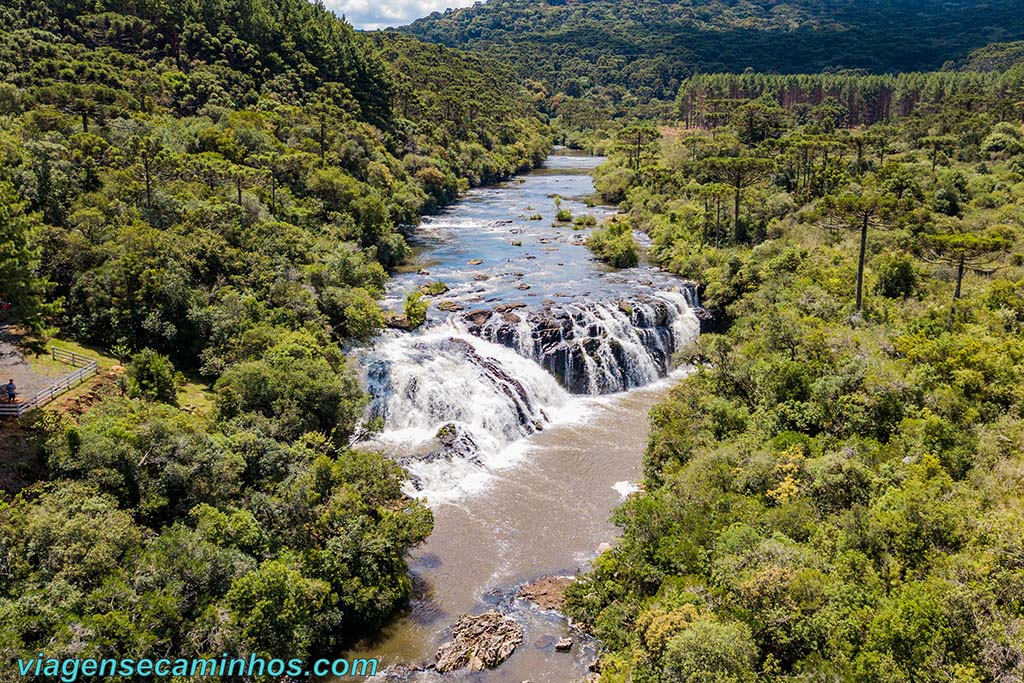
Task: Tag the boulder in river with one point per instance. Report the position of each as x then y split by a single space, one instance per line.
396 321
450 306
547 592
434 288
478 317
479 642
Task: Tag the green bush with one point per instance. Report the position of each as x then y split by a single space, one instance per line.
896 276
297 388
354 313
614 244
151 375
711 652
415 310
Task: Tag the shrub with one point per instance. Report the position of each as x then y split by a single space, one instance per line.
614 244
151 375
711 652
353 312
415 310
897 276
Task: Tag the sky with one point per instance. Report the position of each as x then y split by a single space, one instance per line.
372 14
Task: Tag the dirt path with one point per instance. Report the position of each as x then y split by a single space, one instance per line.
13 365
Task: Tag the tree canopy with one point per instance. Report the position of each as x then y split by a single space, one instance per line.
825 500
216 191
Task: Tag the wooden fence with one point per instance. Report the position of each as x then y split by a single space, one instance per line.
87 367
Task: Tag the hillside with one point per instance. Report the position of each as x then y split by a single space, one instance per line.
218 188
833 494
648 47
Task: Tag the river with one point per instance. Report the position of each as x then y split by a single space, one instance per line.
520 410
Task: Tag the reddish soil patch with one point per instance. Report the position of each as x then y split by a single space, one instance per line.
99 388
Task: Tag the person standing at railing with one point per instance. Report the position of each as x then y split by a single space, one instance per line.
12 391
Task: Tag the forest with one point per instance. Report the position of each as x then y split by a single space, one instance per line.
213 193
834 493
644 50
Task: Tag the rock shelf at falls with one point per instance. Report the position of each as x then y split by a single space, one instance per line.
527 321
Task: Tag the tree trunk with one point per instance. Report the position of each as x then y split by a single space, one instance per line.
860 263
718 221
959 276
323 138
149 184
738 232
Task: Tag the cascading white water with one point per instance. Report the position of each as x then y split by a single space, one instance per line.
456 397
452 403
527 323
598 347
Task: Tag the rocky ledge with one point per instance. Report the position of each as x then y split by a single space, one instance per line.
592 347
547 593
479 642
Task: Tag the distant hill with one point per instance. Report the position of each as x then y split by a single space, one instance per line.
995 57
648 46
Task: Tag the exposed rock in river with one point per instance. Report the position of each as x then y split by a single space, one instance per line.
479 642
595 347
548 592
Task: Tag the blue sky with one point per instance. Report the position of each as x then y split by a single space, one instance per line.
371 14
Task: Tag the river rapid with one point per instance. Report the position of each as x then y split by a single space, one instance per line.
520 410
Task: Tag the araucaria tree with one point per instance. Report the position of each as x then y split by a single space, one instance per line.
972 251
637 143
857 211
739 173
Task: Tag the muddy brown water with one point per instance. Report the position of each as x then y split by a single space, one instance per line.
547 514
522 507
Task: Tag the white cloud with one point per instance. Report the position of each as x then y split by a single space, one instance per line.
374 14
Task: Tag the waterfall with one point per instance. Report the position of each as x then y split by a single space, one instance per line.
452 403
457 397
597 347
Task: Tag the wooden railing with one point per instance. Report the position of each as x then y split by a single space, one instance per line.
70 357
87 367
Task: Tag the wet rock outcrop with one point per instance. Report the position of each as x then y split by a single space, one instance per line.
547 593
595 347
479 642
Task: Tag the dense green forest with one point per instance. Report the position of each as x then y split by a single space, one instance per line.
645 49
218 188
848 100
834 494
215 192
